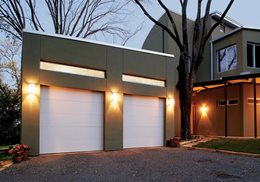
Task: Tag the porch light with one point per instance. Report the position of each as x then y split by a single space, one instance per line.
204 109
31 88
170 102
114 97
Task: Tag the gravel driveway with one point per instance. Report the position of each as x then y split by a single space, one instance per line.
156 164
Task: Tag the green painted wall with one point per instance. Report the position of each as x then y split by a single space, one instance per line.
235 38
240 38
113 60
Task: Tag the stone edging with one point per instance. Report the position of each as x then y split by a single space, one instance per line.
5 164
223 151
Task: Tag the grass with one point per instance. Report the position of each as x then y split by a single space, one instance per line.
3 154
4 147
236 145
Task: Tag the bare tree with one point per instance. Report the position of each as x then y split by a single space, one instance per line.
9 51
13 17
79 18
189 59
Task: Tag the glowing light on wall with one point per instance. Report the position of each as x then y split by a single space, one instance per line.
204 109
31 89
170 102
114 97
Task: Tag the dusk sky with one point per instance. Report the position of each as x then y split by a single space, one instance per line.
246 12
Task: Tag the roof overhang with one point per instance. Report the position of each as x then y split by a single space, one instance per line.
227 20
248 78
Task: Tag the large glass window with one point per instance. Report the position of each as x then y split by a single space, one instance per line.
250 59
227 58
257 56
253 55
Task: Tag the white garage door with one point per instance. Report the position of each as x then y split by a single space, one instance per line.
143 122
71 120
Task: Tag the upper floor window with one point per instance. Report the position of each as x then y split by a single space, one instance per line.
253 55
227 58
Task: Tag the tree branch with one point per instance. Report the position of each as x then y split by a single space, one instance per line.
160 24
172 22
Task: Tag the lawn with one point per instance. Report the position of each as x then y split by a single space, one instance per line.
236 145
3 154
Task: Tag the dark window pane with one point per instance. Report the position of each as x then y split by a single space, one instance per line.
250 55
257 56
233 102
221 103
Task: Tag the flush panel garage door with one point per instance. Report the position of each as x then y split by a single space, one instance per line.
71 120
143 122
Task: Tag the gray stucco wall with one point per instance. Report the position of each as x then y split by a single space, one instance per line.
113 60
240 38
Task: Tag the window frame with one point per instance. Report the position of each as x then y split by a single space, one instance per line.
228 102
254 54
217 53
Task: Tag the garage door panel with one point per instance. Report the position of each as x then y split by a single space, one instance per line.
146 142
65 107
144 130
77 144
143 121
67 94
71 120
146 109
71 139
90 120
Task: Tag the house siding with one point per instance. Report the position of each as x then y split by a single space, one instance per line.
113 60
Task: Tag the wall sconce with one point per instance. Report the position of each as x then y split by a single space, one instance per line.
31 88
204 109
114 97
170 102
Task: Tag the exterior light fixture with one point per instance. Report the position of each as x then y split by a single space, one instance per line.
114 97
170 102
204 109
31 88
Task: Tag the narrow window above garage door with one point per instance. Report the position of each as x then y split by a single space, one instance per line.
143 80
71 69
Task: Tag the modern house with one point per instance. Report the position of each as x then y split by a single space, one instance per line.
225 101
82 95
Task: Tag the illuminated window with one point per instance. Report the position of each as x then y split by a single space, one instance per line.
142 80
251 101
71 70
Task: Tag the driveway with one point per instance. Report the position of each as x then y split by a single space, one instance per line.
156 164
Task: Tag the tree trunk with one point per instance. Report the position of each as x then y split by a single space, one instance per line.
185 95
